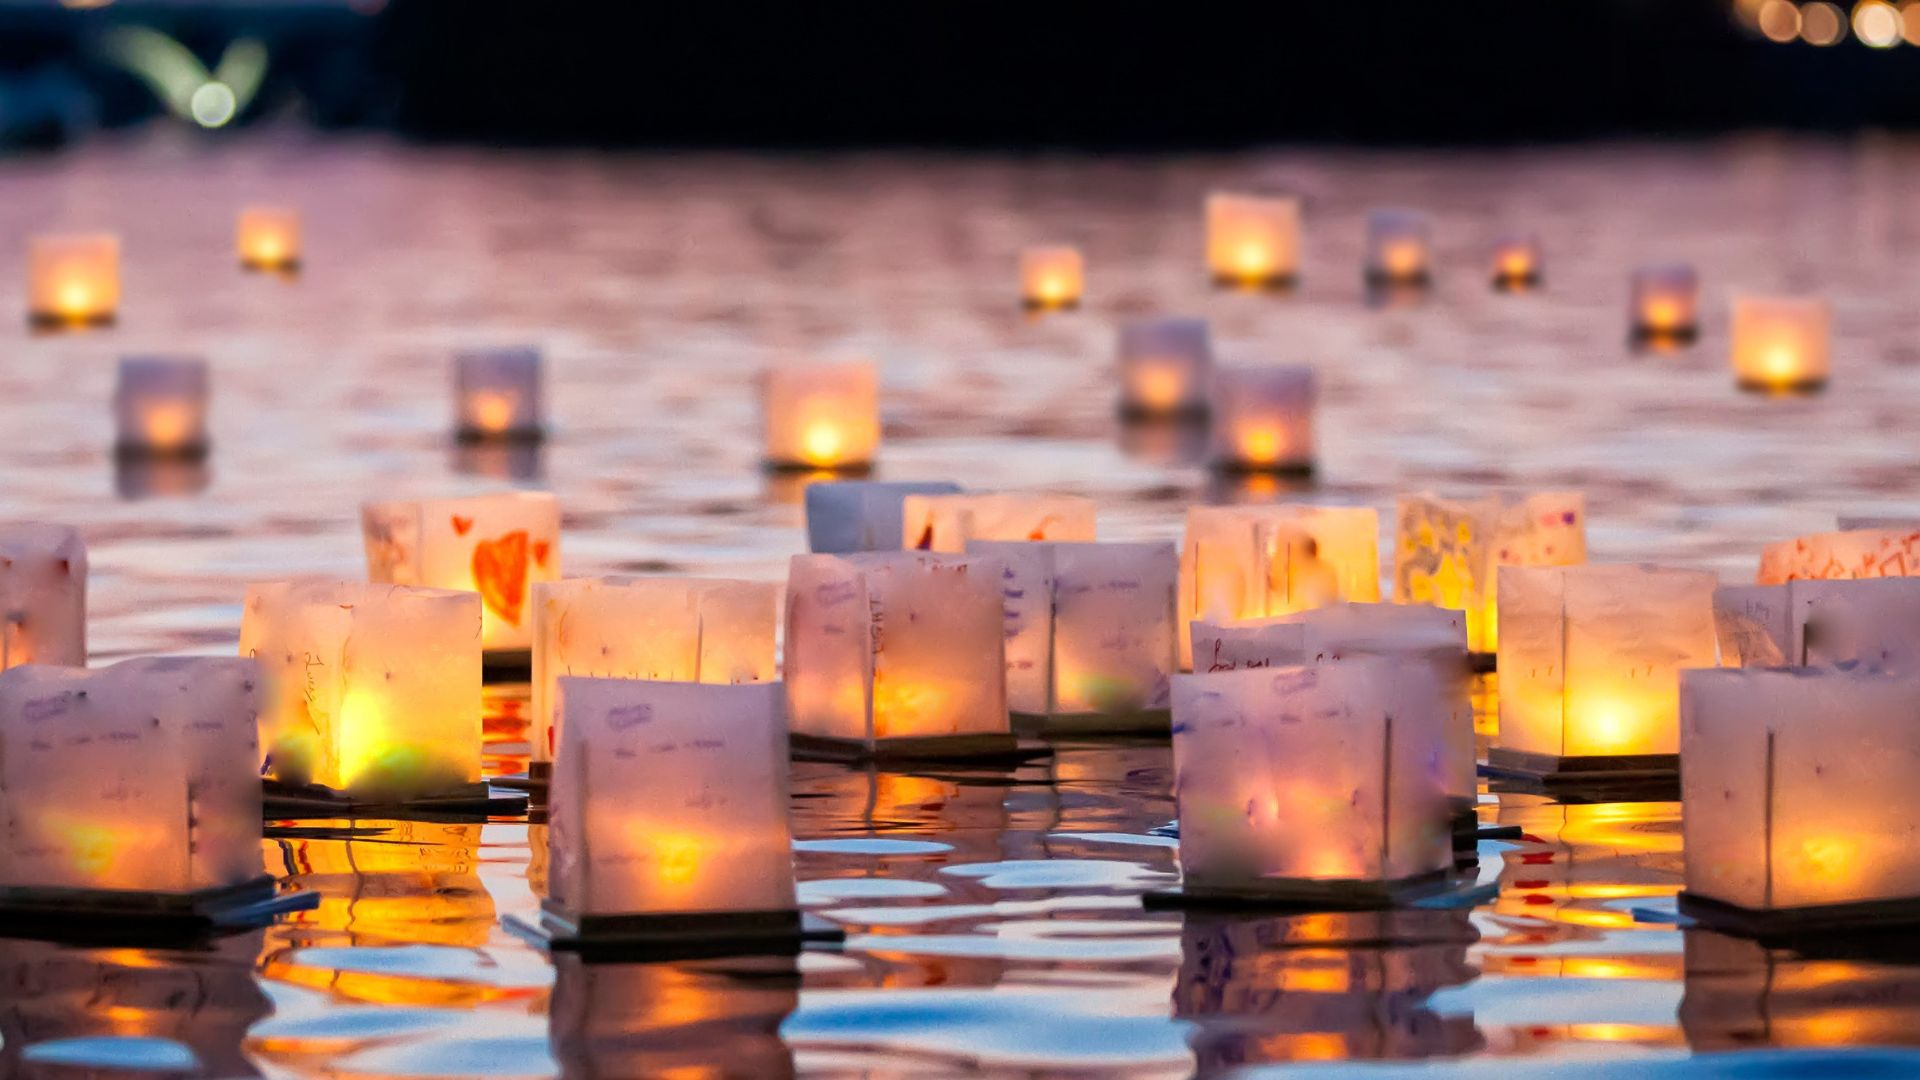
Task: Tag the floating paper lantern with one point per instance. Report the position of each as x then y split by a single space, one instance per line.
1588 658
268 238
948 522
1447 553
1292 787
1399 247
73 279
496 394
699 630
1781 344
1665 302
1089 632
1263 419
896 654
863 515
496 545
1052 277
1165 365
1836 556
1253 240
1516 262
43 596
669 813
822 416
1797 797
160 407
373 690
1874 622
1251 562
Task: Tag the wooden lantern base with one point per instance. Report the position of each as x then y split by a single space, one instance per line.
1382 280
45 323
1865 917
674 936
1269 283
1652 337
1554 771
1483 663
1179 418
1436 889
959 749
472 802
1041 307
1796 388
853 470
1298 469
136 453
467 436
1517 283
97 915
1141 722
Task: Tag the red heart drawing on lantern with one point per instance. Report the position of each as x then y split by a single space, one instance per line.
540 550
461 525
500 574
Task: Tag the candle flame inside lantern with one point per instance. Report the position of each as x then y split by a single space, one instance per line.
1403 258
1158 386
76 300
1661 313
1260 445
1781 363
1516 264
1255 261
822 443
492 413
168 425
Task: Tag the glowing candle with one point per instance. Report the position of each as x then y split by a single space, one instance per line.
863 515
1892 551
1399 247
704 630
1516 262
1052 277
947 522
496 394
1448 553
1263 419
821 416
1797 795
496 545
1164 367
73 279
268 238
43 596
1253 240
369 689
1589 657
160 407
1250 562
1665 302
1780 344
1875 622
896 653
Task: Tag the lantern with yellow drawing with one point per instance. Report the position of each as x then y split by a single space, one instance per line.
1448 553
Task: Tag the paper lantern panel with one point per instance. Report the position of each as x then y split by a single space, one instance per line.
1253 240
73 279
1665 302
821 416
497 394
862 515
1781 344
1263 419
43 587
268 238
1447 553
1872 621
1165 367
1839 556
1250 562
160 406
946 523
494 545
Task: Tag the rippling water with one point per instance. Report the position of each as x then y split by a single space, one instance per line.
993 917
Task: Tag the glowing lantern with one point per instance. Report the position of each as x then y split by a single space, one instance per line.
1780 344
821 416
43 596
73 280
496 545
160 407
1665 302
948 522
1874 622
268 238
1294 786
1837 556
1399 247
1447 553
1253 239
369 689
1251 562
1263 419
1797 797
1164 367
896 654
1516 262
496 394
1089 632
663 629
863 515
1052 277
1589 657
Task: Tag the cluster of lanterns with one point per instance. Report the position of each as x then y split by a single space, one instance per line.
1322 729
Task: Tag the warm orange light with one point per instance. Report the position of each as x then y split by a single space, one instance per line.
1660 313
1052 277
1516 264
822 442
1255 261
268 238
492 413
1159 386
73 279
76 300
168 425
1260 445
1404 258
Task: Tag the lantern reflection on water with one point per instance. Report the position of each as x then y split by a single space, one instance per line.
1251 562
1263 419
268 238
160 407
720 1018
43 594
1741 994
73 279
947 523
1781 344
1253 240
1165 366
863 515
1448 553
821 416
1052 277
1872 621
495 545
496 394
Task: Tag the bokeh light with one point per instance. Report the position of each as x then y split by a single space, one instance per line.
1910 22
1876 23
213 104
1822 24
1779 20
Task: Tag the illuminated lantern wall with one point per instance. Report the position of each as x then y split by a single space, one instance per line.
73 279
1253 239
1263 419
1250 562
1590 655
496 545
669 798
1872 621
1516 262
821 416
948 522
1165 365
268 238
895 645
497 394
1089 628
1399 247
369 689
1447 553
43 590
1665 301
1839 556
160 406
698 630
1781 343
862 515
152 783
1052 277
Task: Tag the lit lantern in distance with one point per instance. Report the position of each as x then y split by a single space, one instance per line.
896 654
1797 798
1781 344
43 596
268 238
1263 419
863 515
1165 365
496 545
373 690
1252 562
160 407
1052 277
1873 621
1889 551
1516 262
1448 553
496 394
1665 303
948 522
821 416
1253 240
73 279
1399 248
1589 659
